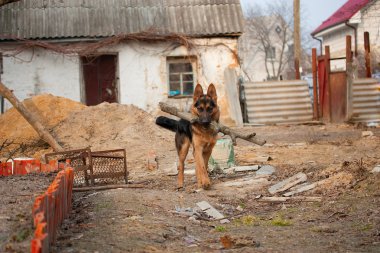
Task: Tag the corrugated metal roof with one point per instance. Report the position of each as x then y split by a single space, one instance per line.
47 19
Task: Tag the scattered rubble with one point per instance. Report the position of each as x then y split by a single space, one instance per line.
246 168
303 188
266 170
284 199
212 212
376 169
288 183
367 133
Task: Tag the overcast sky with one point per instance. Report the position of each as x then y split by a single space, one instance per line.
316 10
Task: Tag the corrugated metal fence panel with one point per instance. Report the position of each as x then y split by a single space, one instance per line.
366 100
37 19
278 102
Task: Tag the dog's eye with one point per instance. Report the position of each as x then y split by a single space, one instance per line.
209 109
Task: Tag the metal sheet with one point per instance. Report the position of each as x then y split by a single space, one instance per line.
42 19
366 100
278 102
338 91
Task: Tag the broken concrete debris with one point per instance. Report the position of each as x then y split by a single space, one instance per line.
203 211
367 133
211 211
244 182
266 170
246 168
376 169
300 189
285 199
288 183
184 211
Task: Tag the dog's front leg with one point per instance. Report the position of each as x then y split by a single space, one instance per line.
201 169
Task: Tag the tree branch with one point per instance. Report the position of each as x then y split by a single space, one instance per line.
217 127
4 2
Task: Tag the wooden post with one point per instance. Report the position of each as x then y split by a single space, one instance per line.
297 38
315 92
367 49
328 87
45 135
349 74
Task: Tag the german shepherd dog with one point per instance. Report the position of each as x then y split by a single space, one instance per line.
198 134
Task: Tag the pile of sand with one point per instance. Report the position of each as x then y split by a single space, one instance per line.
341 177
113 126
49 109
102 127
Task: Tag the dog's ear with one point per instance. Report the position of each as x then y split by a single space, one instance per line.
198 92
211 92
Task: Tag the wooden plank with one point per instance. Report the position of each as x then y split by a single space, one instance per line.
327 102
350 77
315 92
367 49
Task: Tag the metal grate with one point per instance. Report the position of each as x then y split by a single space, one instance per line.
99 167
109 166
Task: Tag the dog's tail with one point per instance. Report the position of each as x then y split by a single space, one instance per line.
167 123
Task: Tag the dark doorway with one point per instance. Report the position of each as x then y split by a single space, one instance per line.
99 74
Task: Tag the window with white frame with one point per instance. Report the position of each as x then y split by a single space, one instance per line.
181 77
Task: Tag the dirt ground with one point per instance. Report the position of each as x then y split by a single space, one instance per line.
17 197
145 220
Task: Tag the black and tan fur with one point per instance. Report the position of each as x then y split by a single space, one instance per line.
199 135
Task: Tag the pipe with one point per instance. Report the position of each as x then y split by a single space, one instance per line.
320 43
355 35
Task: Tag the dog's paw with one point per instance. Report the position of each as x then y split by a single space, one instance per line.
206 185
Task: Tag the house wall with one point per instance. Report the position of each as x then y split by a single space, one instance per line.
366 20
142 73
38 71
252 52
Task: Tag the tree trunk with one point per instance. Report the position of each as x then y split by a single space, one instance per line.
43 133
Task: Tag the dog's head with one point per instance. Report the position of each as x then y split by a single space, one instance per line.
205 107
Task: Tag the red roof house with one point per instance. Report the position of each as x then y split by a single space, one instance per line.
342 15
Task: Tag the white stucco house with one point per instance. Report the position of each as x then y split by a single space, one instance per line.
141 70
353 18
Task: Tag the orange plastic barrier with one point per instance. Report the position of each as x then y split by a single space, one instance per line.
23 167
50 209
5 169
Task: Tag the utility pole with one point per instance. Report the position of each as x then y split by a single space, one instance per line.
297 37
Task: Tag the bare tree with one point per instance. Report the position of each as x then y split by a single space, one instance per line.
4 2
268 29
